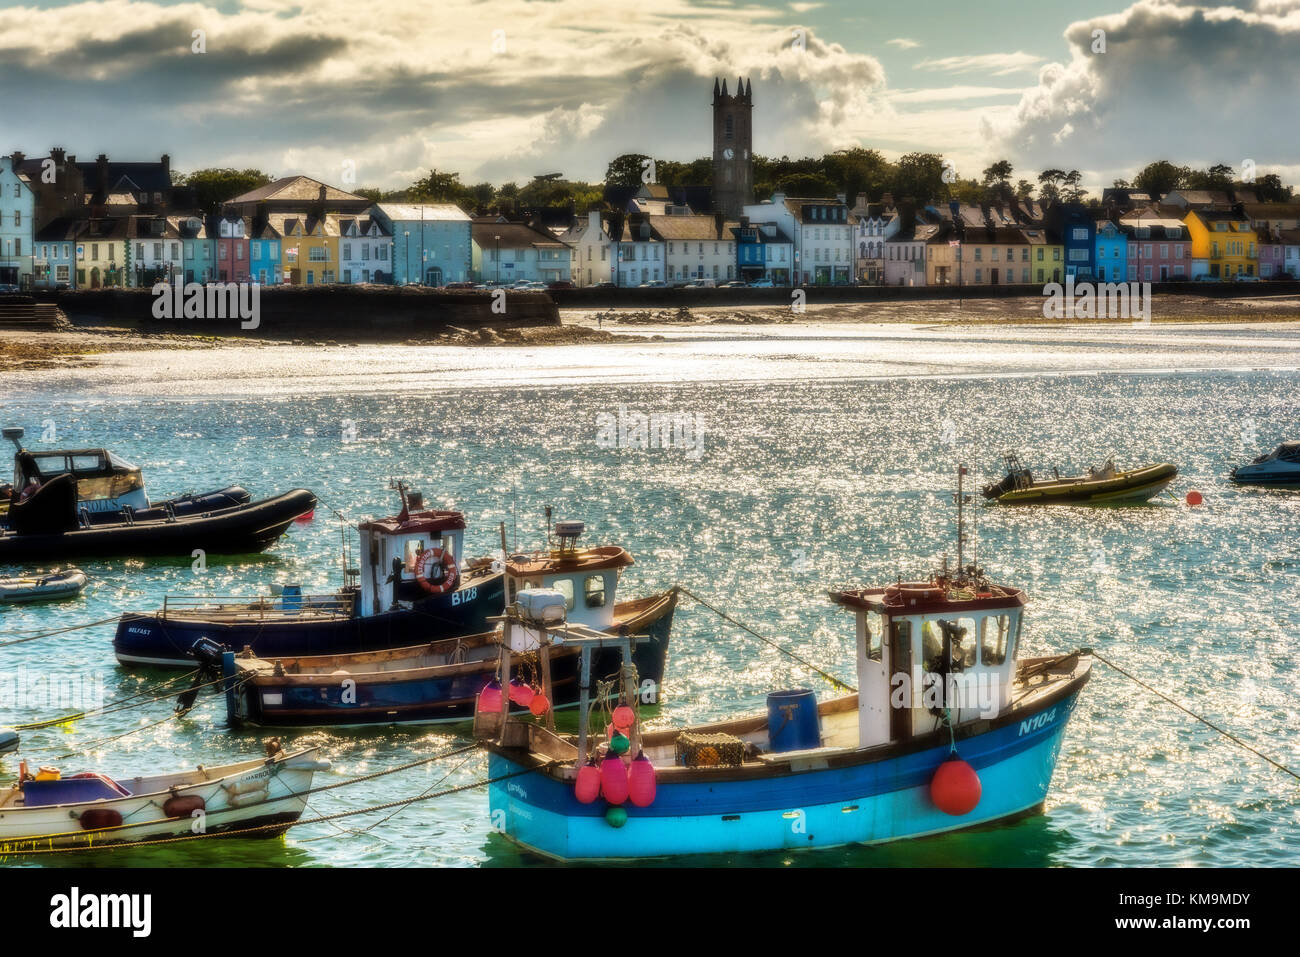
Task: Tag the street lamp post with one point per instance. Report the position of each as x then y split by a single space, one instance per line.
407 233
497 255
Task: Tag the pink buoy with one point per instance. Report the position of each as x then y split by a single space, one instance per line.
1194 497
489 698
955 788
520 693
539 705
641 785
587 787
613 779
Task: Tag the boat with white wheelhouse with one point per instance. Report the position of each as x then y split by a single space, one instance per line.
414 585
951 727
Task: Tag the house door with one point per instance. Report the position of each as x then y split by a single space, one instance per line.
1164 273
433 276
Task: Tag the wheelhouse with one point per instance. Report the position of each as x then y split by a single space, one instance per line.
105 482
587 578
929 653
391 550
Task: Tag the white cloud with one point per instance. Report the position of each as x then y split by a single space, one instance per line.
997 64
904 43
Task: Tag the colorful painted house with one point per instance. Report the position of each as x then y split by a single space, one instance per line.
905 254
428 243
309 249
1046 256
1112 252
1072 225
764 252
1223 243
17 225
1159 247
104 253
56 253
157 254
264 263
198 263
507 252
227 232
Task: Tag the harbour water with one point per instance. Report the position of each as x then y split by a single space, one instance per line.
827 460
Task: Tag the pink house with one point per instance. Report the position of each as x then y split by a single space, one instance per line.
1159 248
228 234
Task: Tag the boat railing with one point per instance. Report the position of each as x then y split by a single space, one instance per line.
258 606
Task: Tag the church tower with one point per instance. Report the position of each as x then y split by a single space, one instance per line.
733 148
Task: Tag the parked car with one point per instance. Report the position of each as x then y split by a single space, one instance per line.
701 284
1242 277
7 288
734 284
560 284
654 284
603 284
761 284
459 285
1206 277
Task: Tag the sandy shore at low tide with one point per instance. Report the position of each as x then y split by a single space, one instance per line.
79 345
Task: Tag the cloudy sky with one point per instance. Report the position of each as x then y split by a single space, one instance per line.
505 89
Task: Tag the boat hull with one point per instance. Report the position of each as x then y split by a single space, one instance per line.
241 530
268 793
1126 488
1286 476
431 695
47 588
165 642
869 801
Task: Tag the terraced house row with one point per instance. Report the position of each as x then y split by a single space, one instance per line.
69 224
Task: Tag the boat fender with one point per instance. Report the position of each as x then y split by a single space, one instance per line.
242 793
450 572
641 781
955 788
96 817
587 786
183 805
613 779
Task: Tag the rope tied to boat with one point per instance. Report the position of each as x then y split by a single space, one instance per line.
1205 721
60 631
835 682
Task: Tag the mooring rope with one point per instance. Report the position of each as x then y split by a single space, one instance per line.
120 705
61 631
835 682
1205 721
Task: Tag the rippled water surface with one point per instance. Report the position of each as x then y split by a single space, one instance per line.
828 461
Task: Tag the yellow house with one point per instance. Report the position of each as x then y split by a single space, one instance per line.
309 250
1046 257
987 256
102 250
1223 243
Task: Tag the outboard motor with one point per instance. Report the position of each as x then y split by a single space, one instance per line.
208 654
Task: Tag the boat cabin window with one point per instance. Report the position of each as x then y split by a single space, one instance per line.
594 588
965 639
411 552
449 546
86 463
565 587
995 631
875 635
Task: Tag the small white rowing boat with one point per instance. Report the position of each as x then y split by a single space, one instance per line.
93 809
51 587
8 740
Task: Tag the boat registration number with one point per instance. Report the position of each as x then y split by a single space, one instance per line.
460 597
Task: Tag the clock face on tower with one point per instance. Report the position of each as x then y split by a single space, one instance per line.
728 153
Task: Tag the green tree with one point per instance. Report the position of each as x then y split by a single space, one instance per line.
918 177
626 170
1158 178
213 187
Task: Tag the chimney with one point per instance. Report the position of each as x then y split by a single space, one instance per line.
17 160
56 154
840 197
593 219
320 201
167 166
862 199
717 225
101 164
744 221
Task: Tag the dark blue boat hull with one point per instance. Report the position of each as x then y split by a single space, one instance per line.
430 699
166 642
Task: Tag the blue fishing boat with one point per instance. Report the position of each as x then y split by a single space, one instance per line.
950 728
440 680
413 586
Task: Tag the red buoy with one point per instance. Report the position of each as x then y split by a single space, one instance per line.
521 693
489 698
587 788
96 817
306 517
955 788
1194 497
641 781
623 718
539 705
613 779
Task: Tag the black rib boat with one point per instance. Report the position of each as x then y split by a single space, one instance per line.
49 525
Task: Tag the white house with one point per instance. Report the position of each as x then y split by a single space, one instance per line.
822 234
507 252
904 254
17 225
157 251
363 248
590 250
872 223
696 247
639 252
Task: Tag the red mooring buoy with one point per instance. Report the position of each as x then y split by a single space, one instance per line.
955 788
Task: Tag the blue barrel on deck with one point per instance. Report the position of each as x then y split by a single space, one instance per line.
792 720
291 598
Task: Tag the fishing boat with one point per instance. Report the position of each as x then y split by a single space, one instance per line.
33 588
1279 469
106 484
440 680
50 525
49 809
951 727
1102 485
414 585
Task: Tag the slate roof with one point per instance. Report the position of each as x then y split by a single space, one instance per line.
429 212
296 189
513 235
691 227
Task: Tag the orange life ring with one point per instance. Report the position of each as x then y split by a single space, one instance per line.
450 570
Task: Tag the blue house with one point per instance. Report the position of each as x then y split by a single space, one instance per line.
1111 255
264 254
763 251
1076 231
56 251
431 243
